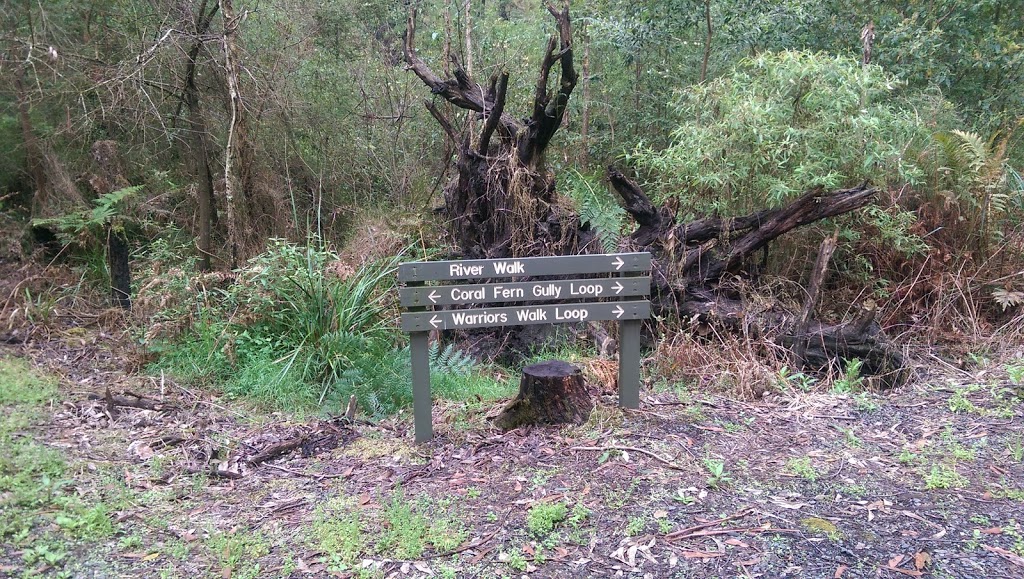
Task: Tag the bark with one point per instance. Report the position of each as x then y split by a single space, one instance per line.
707 41
199 137
551 392
33 153
239 149
108 177
692 259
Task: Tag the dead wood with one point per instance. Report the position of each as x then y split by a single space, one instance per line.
693 259
129 400
275 450
551 392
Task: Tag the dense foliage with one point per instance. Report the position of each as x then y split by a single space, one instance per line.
256 136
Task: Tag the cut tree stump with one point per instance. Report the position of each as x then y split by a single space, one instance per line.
551 392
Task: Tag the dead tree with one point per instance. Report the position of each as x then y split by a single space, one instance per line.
502 203
694 260
551 392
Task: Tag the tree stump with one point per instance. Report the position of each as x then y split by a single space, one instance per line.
551 392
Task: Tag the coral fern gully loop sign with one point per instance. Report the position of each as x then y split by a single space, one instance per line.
622 278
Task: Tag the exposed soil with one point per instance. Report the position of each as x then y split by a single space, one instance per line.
811 484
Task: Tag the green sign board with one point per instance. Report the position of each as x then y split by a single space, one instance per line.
576 300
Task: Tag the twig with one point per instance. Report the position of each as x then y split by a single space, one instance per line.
683 533
306 474
663 461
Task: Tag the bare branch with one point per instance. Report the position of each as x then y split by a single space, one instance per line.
494 114
442 120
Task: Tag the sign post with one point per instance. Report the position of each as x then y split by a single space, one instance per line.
575 300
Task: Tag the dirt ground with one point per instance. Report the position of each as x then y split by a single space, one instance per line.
925 481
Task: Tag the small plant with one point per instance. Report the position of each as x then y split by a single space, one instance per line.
907 457
803 468
1016 373
717 475
543 517
851 380
865 402
635 526
338 533
1015 447
787 377
958 403
943 476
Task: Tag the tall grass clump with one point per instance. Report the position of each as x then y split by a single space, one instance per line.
296 329
287 328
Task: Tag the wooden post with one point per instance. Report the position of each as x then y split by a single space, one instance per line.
419 347
629 362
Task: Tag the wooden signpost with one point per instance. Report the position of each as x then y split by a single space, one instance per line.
576 300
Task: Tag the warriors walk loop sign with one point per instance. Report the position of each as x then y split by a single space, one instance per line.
619 279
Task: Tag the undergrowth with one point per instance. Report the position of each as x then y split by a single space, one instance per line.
290 332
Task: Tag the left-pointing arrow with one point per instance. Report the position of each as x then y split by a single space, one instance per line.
436 321
433 296
618 311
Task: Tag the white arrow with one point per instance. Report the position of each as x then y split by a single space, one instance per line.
618 311
433 296
436 321
617 287
618 263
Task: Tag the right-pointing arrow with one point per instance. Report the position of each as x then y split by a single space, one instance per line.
618 311
618 263
436 321
617 287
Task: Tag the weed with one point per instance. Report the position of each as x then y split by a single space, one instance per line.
943 476
865 402
473 493
129 542
717 475
516 561
664 526
787 377
635 526
980 519
958 403
908 457
803 468
338 533
543 517
88 523
1015 372
237 553
855 490
408 531
1015 447
851 380
49 553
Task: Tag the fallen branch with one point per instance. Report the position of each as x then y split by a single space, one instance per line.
129 400
683 533
663 461
276 450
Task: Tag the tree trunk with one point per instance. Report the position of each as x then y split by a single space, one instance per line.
109 177
199 138
551 392
33 153
239 147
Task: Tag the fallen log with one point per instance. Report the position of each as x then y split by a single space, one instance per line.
692 260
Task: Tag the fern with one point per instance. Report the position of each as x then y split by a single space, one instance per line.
90 220
596 209
450 360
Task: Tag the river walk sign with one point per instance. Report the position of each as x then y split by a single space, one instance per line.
590 299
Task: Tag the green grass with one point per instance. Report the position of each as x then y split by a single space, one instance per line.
41 513
411 526
802 468
338 533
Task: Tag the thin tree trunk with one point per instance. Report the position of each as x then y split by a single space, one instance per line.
33 153
585 115
237 138
198 140
707 41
